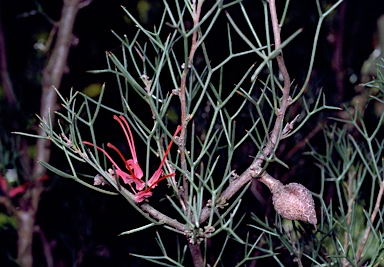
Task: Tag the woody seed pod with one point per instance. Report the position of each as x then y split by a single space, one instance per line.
292 201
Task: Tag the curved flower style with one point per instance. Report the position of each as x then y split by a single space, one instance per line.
135 172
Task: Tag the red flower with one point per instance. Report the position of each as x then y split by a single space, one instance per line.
140 196
135 172
12 192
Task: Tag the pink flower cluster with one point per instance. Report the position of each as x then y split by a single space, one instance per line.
142 190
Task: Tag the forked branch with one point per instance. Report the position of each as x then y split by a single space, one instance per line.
255 170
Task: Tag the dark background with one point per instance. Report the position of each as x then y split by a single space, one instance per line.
82 226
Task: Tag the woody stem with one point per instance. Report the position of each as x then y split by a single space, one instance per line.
184 118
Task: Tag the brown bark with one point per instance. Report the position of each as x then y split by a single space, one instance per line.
26 221
197 256
52 76
254 171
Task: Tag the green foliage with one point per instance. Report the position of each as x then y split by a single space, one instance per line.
156 69
351 226
7 222
353 163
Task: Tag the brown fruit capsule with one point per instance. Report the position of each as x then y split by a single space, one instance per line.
292 201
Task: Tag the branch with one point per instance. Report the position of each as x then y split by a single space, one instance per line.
196 11
52 76
255 170
25 216
196 7
163 218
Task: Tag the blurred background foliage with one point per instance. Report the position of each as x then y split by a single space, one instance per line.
82 226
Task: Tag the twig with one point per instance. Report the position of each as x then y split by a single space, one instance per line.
288 127
296 251
196 8
351 201
47 249
255 169
373 216
171 169
286 99
303 142
163 218
194 248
